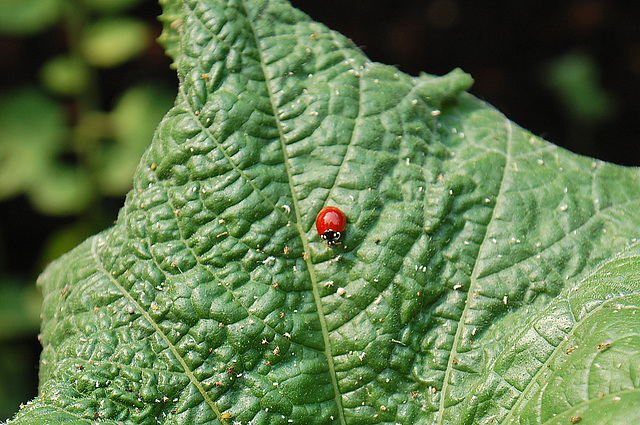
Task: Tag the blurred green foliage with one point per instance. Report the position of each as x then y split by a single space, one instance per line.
575 80
24 17
75 119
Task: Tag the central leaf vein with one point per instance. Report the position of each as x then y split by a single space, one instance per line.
298 223
474 279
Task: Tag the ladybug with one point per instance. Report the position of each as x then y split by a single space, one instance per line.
330 223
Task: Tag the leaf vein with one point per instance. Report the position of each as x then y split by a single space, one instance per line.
147 316
298 224
474 280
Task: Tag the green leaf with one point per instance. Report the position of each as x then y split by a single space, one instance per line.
30 123
575 79
110 6
65 75
171 19
112 42
23 17
32 141
486 276
19 307
134 119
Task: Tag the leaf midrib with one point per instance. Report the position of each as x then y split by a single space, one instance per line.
298 225
473 281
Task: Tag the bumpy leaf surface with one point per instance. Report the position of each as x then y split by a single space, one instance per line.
486 276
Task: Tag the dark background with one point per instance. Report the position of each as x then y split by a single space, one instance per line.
507 46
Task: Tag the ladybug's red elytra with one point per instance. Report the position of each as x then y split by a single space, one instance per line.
330 223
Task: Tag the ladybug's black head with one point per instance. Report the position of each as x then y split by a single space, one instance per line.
331 237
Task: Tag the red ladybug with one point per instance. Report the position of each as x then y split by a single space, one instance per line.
330 223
